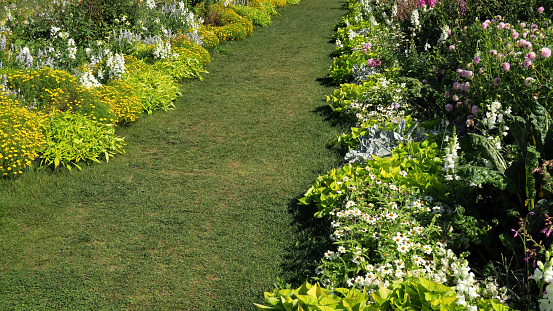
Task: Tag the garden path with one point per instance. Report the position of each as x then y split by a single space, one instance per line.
196 215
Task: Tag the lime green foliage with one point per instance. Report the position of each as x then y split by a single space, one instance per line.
292 1
181 67
72 138
269 7
423 162
341 98
314 297
257 16
156 90
421 294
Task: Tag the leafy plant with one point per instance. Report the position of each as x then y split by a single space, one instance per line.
72 138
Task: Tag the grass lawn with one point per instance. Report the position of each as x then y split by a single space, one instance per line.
200 213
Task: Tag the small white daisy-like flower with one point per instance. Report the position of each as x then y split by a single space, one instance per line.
350 203
319 270
393 188
342 249
329 254
378 181
345 178
403 173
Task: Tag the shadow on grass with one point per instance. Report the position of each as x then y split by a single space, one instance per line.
313 239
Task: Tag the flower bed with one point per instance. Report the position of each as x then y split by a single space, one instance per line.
448 160
106 61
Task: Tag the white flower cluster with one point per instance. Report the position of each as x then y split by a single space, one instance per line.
150 4
415 19
115 65
451 158
162 49
545 275
25 58
444 35
71 49
88 80
469 291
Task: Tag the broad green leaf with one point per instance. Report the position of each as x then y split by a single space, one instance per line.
262 307
307 299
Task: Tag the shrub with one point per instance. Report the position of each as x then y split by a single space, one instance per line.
20 136
188 49
278 3
121 97
156 89
257 16
209 39
236 31
72 138
50 90
269 7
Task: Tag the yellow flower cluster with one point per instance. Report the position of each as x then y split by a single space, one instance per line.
210 40
188 49
121 97
134 64
235 31
278 3
21 136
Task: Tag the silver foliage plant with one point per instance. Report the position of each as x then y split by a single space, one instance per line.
379 142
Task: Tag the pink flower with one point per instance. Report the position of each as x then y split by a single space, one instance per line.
528 81
455 97
522 25
452 47
515 35
476 60
449 107
474 110
506 66
493 52
545 52
424 81
446 95
485 25
528 45
530 56
540 9
459 104
465 87
481 71
456 85
527 63
496 81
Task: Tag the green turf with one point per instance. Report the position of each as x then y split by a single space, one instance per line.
199 214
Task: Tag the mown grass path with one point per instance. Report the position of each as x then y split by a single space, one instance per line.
196 215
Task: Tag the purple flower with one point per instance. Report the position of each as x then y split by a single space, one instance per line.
446 95
459 104
476 60
496 81
515 231
449 107
456 85
475 109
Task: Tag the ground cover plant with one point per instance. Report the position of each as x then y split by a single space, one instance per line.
456 94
